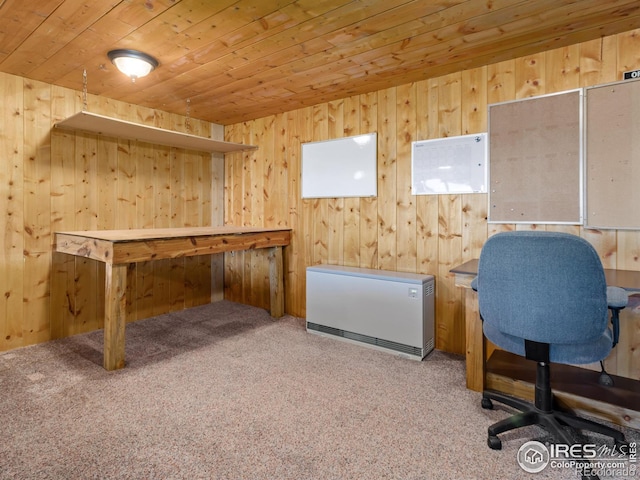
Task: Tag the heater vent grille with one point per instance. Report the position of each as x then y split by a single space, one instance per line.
429 289
398 347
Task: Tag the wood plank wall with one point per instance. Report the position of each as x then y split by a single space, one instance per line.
398 231
54 180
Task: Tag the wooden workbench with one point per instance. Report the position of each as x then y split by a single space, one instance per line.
576 387
119 248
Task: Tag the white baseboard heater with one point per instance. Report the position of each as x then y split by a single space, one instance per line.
391 311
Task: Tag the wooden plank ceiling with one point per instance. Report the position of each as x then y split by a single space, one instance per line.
238 60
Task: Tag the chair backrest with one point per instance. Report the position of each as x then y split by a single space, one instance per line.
543 286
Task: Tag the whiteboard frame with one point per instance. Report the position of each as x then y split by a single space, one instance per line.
340 167
460 167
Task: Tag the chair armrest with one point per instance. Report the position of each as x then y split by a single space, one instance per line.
617 297
474 285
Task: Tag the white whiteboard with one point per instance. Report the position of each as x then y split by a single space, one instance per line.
344 167
449 165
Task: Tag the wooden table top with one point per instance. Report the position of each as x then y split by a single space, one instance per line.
140 245
165 233
627 279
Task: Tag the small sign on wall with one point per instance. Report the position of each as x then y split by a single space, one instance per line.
449 165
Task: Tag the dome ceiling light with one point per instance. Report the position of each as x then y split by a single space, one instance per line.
132 63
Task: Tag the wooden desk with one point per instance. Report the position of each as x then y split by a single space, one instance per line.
510 377
118 248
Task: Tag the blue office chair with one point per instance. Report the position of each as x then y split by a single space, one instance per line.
543 295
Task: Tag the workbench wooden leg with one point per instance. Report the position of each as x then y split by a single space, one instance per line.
276 282
475 354
114 315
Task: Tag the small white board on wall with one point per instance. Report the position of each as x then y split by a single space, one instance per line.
449 165
344 167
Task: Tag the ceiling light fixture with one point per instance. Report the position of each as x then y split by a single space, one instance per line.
132 63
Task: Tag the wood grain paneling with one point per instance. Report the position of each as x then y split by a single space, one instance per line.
55 180
12 241
239 60
429 234
387 183
52 180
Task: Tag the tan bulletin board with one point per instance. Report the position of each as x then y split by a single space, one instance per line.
613 155
535 160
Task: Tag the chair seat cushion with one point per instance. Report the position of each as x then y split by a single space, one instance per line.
579 354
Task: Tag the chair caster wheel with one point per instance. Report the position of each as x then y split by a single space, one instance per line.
494 442
486 403
605 380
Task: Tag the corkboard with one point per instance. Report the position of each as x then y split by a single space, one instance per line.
535 159
613 155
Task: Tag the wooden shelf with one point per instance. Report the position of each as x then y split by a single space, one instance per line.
113 127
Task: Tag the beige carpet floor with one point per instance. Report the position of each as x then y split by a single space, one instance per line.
224 392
